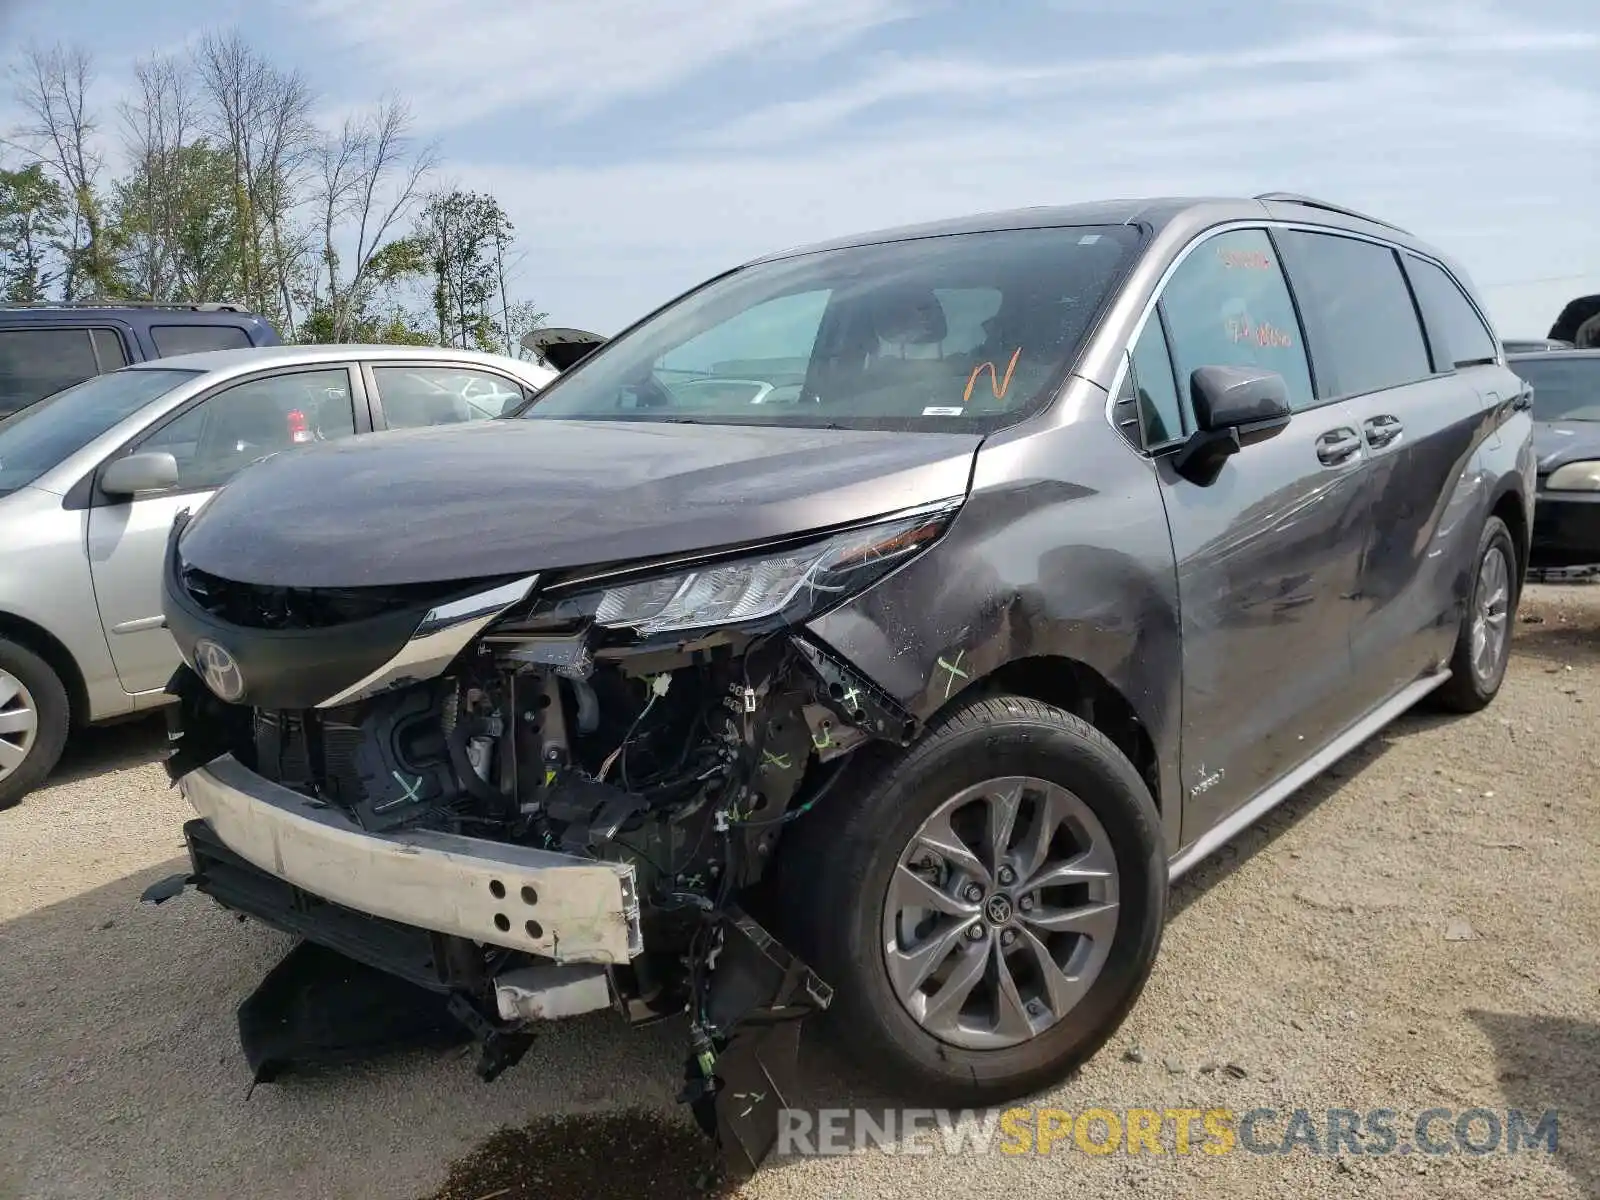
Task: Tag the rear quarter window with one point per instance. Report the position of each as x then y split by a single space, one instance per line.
35 363
192 339
1459 336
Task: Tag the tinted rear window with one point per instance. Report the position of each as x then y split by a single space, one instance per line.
1460 337
1360 320
36 362
193 339
1564 389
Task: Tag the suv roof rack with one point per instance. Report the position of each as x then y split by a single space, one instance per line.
1326 206
204 307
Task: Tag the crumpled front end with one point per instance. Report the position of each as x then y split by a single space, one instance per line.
539 799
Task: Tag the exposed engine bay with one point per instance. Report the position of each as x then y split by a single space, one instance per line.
685 759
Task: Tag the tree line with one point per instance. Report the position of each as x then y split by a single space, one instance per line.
226 189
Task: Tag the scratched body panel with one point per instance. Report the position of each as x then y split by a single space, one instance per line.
1062 551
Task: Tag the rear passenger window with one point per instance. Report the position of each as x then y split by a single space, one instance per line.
1459 335
192 339
1227 305
35 363
1360 319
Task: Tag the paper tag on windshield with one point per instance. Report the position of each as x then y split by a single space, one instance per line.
946 410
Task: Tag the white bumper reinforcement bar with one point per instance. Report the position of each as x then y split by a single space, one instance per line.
567 909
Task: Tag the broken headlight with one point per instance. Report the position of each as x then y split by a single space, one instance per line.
788 582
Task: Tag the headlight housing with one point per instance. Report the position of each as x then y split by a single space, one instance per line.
1575 477
791 583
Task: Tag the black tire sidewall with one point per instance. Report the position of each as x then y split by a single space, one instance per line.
51 703
853 890
1495 534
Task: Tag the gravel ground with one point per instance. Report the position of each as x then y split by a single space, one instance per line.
1415 930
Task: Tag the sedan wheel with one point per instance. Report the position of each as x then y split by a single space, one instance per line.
33 721
19 723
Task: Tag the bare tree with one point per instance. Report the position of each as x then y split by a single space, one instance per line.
52 86
158 124
369 179
263 117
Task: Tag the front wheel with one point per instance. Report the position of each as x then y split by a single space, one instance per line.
33 721
1483 646
989 910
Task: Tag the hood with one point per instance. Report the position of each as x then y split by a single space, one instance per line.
559 349
499 497
1556 443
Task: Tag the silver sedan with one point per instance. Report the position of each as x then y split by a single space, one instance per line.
91 478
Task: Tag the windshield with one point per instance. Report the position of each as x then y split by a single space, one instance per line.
42 435
1564 389
959 332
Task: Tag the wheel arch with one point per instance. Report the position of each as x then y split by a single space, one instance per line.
1076 687
47 646
1510 507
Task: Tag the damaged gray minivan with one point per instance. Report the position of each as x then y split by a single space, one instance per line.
878 628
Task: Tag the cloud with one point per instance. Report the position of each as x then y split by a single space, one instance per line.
1486 144
459 60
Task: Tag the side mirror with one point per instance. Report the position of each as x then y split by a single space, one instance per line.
1234 407
153 472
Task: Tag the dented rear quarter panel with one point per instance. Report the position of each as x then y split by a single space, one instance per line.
1061 551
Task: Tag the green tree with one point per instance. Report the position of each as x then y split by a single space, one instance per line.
175 216
33 229
464 233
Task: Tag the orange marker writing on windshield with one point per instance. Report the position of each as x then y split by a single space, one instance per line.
996 385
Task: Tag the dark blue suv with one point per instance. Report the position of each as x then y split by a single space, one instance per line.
46 347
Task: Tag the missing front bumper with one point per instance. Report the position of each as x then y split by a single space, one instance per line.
556 906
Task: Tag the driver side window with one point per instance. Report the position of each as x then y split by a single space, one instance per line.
1227 305
225 433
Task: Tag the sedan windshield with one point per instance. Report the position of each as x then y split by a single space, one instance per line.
1564 389
42 435
958 332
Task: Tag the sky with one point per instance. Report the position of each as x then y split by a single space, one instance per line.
642 145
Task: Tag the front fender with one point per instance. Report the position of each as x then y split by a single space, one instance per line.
1061 551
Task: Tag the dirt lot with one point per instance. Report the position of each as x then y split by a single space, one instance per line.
1417 930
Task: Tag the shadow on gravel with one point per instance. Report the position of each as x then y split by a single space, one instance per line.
1557 643
1553 1064
99 749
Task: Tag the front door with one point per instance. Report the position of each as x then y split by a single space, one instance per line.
213 439
1267 554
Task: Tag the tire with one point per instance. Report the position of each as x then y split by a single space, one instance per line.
836 866
27 684
1474 683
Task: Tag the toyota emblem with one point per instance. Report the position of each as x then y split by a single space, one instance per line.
218 668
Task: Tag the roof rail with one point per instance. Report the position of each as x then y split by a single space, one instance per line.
1326 206
209 306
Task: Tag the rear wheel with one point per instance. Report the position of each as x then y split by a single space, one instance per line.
33 721
1483 647
989 910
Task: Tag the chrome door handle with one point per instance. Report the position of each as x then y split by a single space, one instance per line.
1381 430
1338 446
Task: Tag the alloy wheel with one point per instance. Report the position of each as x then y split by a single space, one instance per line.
19 723
1001 912
1491 617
